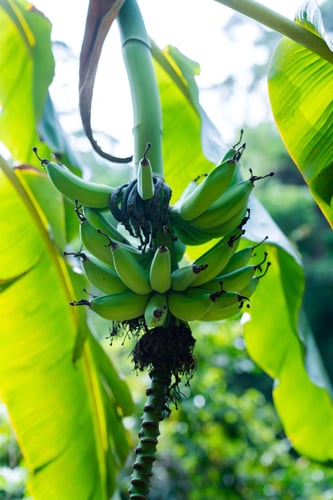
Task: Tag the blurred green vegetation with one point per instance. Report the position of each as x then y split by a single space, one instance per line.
12 471
225 439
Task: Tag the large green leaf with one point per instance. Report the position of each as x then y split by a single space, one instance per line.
275 337
279 340
300 89
26 68
66 413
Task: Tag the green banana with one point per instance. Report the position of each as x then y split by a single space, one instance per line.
222 313
187 307
236 280
117 307
237 221
216 182
145 182
73 187
129 269
191 186
94 242
160 270
190 234
156 310
184 276
231 203
239 259
242 257
108 226
230 303
101 276
217 257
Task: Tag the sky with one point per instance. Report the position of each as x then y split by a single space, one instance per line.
195 27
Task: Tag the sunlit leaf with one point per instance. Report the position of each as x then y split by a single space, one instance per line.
184 121
57 406
25 39
275 337
300 89
279 340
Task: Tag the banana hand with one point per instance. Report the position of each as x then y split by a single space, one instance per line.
216 182
232 202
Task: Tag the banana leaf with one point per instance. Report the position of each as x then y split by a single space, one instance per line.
277 336
300 89
65 409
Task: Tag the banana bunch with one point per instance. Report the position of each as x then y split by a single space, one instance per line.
133 244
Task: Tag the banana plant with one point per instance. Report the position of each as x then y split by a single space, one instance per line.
85 396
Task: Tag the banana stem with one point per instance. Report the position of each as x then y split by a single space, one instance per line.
282 25
143 84
148 435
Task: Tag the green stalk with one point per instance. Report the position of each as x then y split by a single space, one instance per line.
148 435
282 25
144 90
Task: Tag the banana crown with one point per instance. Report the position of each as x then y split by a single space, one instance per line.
133 242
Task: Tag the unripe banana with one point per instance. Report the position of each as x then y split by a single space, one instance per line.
216 182
184 276
97 219
73 187
239 259
217 257
191 235
117 307
130 271
160 270
242 257
191 186
234 281
179 248
187 307
156 310
222 313
145 184
95 243
237 221
187 233
102 276
232 203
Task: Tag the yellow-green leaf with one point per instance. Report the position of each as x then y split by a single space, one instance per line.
300 89
57 406
25 39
